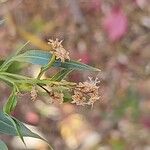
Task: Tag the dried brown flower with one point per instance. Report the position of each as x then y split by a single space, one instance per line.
58 50
33 94
86 92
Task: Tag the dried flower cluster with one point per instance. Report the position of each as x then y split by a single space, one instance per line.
57 96
58 50
33 94
86 92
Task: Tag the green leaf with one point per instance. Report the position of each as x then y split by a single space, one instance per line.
61 75
40 57
17 127
3 145
10 59
15 67
7 127
11 102
36 57
77 66
1 62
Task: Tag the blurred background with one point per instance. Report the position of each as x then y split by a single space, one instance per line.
113 35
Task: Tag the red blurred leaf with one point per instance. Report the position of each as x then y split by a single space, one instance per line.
95 5
85 57
115 24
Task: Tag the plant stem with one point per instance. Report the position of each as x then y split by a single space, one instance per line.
45 68
8 80
14 75
44 89
44 82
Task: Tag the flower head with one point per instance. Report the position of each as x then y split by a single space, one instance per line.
58 50
86 92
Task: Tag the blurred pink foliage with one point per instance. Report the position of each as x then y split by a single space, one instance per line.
85 57
32 118
95 5
141 3
146 121
115 24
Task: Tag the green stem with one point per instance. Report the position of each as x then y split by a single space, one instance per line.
45 68
14 78
6 79
9 80
44 82
14 75
4 65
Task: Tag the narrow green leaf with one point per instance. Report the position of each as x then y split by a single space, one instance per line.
10 59
36 57
11 102
40 57
12 126
17 127
77 66
15 67
7 127
61 75
3 145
